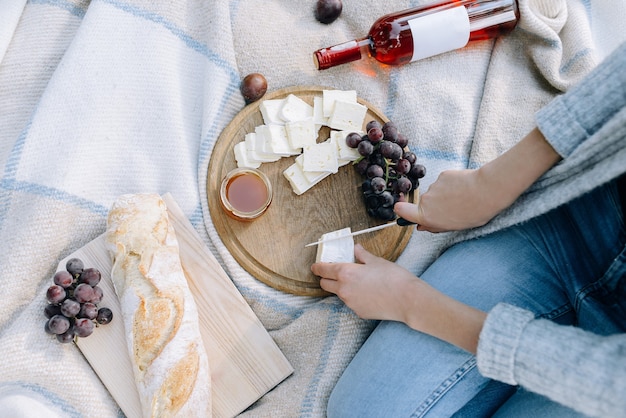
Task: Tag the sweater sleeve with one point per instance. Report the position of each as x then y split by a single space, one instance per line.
578 369
572 117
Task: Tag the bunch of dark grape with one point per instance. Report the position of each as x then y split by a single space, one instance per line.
72 310
391 171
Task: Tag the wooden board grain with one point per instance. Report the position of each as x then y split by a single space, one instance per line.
244 360
271 248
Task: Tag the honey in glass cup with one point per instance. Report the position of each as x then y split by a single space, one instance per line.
245 193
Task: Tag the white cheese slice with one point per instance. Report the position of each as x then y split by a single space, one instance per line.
301 133
320 157
318 112
275 140
338 250
298 181
331 96
347 116
251 147
241 156
312 177
294 108
345 154
270 110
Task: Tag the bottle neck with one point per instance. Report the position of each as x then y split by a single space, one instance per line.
485 14
341 54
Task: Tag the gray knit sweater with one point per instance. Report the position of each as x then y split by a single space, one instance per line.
587 126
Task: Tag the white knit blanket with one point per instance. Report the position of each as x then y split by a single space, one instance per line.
108 97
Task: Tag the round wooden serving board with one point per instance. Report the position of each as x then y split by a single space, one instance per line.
272 247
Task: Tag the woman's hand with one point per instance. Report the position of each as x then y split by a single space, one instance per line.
459 199
462 199
379 289
374 288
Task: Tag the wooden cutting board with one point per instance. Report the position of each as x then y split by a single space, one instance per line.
272 247
245 361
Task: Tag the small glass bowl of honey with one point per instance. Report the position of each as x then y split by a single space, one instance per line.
245 193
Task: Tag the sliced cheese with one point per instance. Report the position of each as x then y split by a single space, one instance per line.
254 155
275 140
294 109
320 157
345 154
241 156
337 250
312 177
301 133
318 112
270 110
331 96
347 116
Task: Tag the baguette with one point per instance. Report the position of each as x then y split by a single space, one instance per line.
160 317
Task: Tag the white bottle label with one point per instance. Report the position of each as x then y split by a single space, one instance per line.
439 32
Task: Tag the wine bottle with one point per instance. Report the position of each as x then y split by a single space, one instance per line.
425 31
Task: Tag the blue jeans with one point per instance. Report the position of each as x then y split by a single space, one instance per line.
553 265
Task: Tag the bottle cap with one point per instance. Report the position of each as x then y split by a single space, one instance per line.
335 55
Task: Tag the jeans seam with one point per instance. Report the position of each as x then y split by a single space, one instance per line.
444 387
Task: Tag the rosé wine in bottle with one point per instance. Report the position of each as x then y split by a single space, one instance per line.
425 31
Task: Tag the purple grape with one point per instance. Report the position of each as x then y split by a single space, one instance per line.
387 199
417 171
372 124
378 185
404 184
402 140
83 293
58 324
51 309
70 308
375 135
91 276
365 148
83 327
55 294
353 139
327 11
88 310
74 266
390 132
67 336
375 170
63 278
403 166
97 295
410 156
361 166
105 315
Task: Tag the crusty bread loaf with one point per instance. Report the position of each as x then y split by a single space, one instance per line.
160 316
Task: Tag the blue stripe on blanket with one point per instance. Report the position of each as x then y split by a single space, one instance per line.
72 8
9 182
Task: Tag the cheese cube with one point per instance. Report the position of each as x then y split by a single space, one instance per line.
241 156
331 96
340 249
270 110
251 148
320 157
301 133
347 116
294 109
